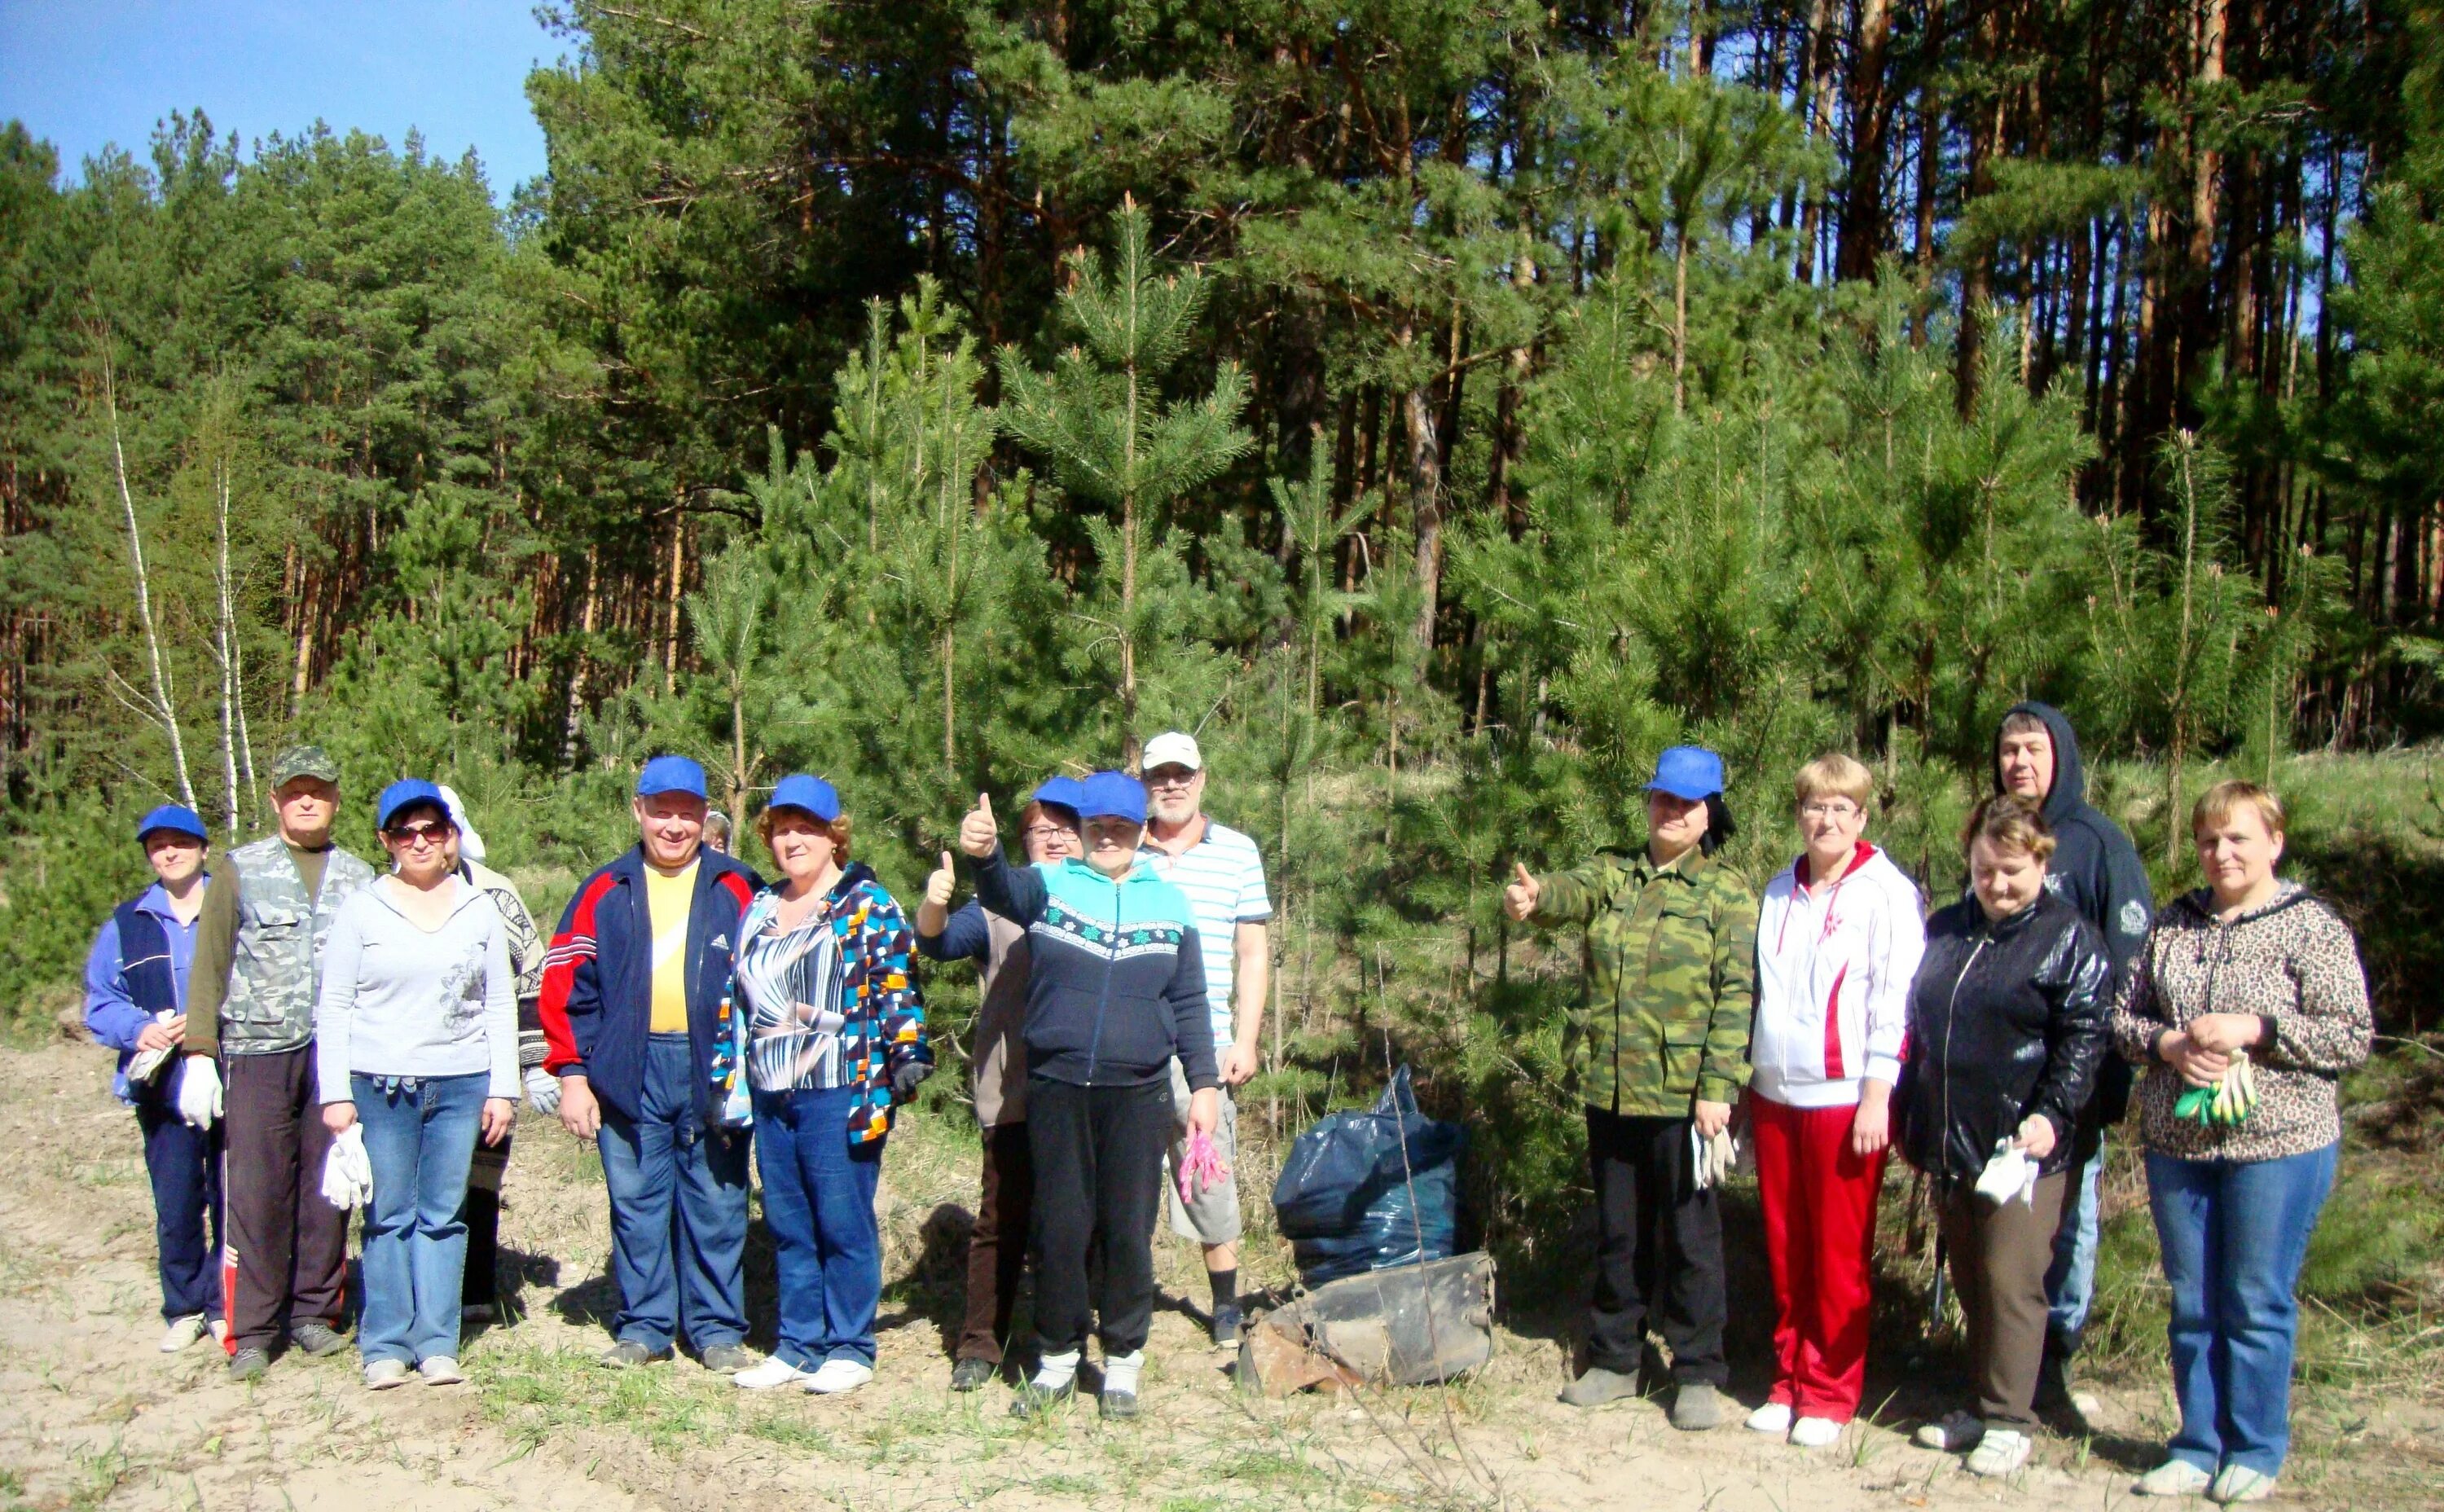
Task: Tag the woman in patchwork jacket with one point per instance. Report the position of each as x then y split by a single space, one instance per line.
828 1031
2245 1009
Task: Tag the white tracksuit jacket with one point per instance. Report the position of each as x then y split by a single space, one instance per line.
1834 965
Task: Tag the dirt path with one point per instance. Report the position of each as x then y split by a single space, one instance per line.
91 1415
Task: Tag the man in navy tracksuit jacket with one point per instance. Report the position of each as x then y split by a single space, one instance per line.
634 993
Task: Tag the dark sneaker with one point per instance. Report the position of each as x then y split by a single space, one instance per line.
1119 1404
727 1359
1599 1386
628 1352
1697 1407
1228 1324
1034 1401
972 1375
316 1338
248 1365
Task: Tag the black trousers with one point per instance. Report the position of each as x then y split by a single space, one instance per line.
1098 1158
997 1245
292 1246
481 1212
1658 1250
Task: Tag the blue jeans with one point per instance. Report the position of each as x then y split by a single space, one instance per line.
819 1204
2234 1234
184 1163
679 1212
2070 1280
421 1139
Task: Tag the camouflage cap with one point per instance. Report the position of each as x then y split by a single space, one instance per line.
302 761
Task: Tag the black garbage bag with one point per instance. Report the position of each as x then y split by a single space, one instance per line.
1365 1191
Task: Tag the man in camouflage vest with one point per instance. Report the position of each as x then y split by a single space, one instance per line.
251 1009
1659 1049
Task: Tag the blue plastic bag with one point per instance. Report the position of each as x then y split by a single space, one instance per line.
1349 1200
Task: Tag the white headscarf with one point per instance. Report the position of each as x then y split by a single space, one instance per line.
470 845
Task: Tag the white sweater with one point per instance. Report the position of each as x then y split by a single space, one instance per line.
1833 978
399 1001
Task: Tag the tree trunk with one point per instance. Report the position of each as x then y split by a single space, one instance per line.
586 623
1815 114
1863 201
165 710
225 643
671 604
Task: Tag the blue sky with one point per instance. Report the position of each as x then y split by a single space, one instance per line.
86 73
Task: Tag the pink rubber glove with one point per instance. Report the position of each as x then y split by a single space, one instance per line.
1200 1168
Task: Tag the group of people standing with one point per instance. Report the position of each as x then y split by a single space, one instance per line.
687 1011
1992 1044
291 1002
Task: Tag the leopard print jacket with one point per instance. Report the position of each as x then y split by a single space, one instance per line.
2292 960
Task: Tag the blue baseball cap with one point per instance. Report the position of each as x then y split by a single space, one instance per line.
177 818
670 774
1688 771
406 793
1061 792
812 794
1111 795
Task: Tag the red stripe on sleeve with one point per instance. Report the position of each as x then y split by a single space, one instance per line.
570 947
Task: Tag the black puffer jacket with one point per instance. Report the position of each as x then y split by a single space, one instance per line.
2005 1019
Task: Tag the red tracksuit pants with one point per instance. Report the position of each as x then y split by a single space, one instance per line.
1820 1234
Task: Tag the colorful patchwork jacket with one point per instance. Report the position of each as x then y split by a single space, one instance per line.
879 999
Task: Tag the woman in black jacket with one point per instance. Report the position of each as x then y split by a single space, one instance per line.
2008 1022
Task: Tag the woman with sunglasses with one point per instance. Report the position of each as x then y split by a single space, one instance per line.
416 1030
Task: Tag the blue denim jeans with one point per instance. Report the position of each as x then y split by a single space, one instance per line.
679 1212
2234 1234
819 1204
2070 1280
420 1136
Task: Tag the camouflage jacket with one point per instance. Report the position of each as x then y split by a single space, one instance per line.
1669 980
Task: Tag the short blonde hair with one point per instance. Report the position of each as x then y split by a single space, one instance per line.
2217 805
1835 775
2009 823
837 828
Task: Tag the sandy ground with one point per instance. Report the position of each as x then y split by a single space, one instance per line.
91 1415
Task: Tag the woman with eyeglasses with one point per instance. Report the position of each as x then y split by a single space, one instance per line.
1839 937
416 1030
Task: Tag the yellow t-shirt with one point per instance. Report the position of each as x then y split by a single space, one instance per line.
667 902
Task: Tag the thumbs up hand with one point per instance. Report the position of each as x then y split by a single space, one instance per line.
942 885
979 835
1519 898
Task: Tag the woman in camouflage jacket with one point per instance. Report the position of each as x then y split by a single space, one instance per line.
1659 1049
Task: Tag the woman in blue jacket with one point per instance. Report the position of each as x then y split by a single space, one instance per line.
1115 989
136 1003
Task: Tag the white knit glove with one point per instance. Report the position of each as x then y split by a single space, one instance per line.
2010 1175
542 1092
199 1092
347 1173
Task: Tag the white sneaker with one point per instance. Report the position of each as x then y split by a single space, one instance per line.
2001 1451
220 1329
2238 1483
2173 1478
381 1374
1774 1417
1952 1432
440 1370
181 1333
772 1373
838 1375
1814 1433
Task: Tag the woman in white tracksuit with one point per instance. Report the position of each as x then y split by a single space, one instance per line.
1839 937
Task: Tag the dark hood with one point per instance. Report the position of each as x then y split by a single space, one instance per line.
2069 791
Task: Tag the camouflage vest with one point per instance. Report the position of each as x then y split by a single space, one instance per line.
276 967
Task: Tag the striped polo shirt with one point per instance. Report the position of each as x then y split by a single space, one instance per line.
1223 876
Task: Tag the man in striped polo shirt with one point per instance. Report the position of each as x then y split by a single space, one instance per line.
1223 876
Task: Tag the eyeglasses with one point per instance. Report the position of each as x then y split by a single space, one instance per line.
417 836
1828 810
1170 777
1046 832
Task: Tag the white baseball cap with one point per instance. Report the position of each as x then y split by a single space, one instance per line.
1172 748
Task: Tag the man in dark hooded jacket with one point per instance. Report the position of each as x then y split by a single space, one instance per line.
2096 869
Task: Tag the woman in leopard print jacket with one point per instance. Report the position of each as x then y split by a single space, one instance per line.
2250 963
